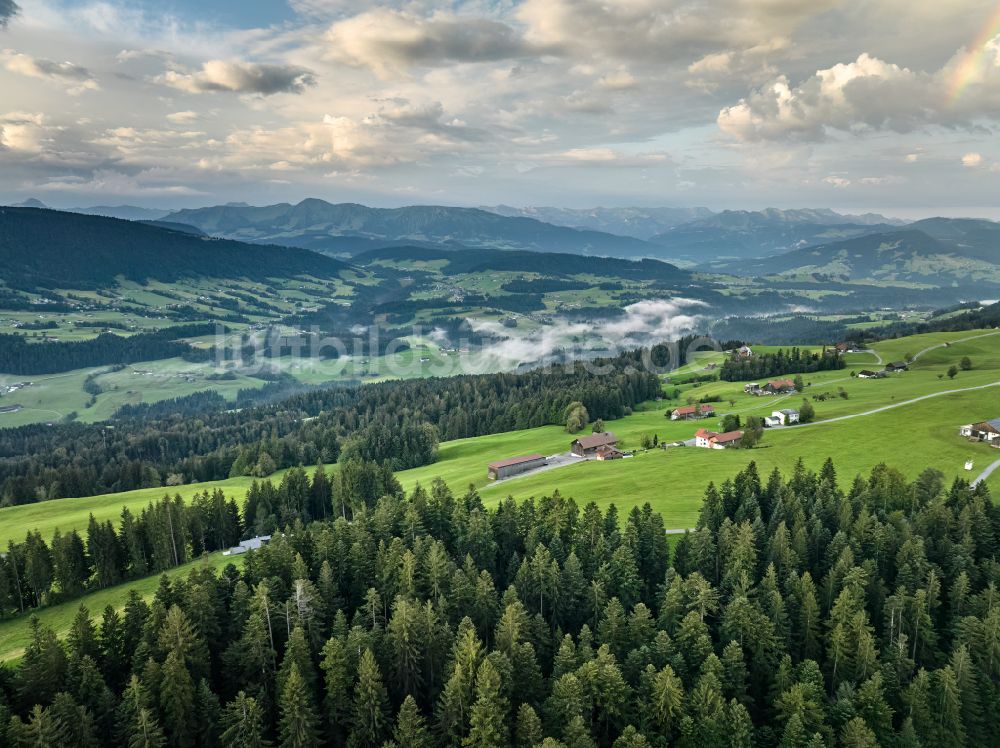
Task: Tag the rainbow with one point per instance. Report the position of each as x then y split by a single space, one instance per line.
969 68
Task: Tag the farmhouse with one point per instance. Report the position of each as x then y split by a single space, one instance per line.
513 466
847 347
609 453
896 366
869 374
248 545
744 351
984 431
690 412
587 446
786 416
753 388
711 440
779 386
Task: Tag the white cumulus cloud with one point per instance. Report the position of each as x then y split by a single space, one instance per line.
240 77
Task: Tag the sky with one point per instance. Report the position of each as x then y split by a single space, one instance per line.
857 105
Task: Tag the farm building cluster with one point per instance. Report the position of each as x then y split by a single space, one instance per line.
984 431
774 387
602 445
691 412
893 367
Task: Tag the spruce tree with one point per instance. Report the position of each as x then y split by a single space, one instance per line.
369 716
298 727
488 716
177 701
411 728
242 723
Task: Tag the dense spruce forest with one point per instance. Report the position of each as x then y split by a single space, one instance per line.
170 532
19 356
794 361
397 422
797 614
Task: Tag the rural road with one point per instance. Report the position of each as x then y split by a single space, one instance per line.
930 348
986 473
878 357
890 407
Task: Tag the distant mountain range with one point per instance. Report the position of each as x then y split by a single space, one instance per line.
935 251
57 249
750 234
125 212
728 241
641 223
350 228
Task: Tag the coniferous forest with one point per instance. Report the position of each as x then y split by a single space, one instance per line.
797 614
794 361
398 422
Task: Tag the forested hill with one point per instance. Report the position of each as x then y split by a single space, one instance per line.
547 263
797 615
54 249
393 422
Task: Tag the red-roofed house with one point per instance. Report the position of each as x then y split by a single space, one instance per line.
779 385
711 440
691 412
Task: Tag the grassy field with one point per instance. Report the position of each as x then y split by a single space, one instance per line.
910 437
14 632
54 396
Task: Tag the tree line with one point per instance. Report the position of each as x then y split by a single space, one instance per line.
796 614
20 356
170 532
793 361
399 422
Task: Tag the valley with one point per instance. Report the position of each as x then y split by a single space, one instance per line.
857 429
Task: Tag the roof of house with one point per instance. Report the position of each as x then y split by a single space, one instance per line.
729 436
789 411
898 364
866 373
993 423
607 449
688 409
778 383
596 440
514 461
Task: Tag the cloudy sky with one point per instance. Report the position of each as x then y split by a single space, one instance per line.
857 104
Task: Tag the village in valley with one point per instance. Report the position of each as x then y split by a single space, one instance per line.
767 405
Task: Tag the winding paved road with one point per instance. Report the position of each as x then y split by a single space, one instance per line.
986 473
891 406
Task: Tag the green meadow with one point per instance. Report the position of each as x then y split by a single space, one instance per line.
910 437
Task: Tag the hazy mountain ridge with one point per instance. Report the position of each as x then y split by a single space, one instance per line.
330 227
754 235
57 249
641 223
908 255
